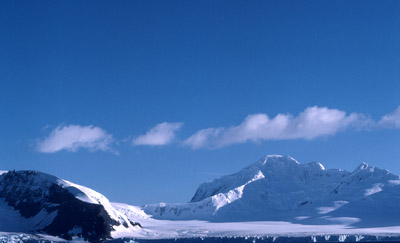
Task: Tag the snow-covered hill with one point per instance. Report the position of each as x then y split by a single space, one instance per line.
32 201
278 188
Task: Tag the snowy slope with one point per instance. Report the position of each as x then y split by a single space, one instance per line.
32 201
174 229
282 189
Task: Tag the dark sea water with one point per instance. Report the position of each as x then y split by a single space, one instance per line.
282 239
250 239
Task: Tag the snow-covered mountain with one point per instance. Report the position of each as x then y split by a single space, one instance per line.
275 196
32 201
278 188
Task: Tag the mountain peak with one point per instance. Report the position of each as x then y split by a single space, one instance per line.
278 156
316 165
273 156
364 167
278 187
278 159
269 166
31 177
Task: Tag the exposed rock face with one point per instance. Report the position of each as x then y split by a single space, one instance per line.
58 206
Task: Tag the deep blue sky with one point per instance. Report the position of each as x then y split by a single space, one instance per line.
125 66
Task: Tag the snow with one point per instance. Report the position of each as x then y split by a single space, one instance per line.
11 220
343 220
221 199
363 166
90 196
162 229
165 229
336 205
132 212
3 172
280 188
230 182
24 237
394 182
275 196
302 199
374 189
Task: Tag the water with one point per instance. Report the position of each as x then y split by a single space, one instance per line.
282 239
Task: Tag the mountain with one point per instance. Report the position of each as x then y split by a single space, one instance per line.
32 201
278 188
274 197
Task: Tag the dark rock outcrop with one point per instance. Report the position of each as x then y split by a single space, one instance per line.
31 192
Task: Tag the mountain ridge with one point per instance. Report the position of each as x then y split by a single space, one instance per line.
273 189
278 187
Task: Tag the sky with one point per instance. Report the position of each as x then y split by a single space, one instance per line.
145 100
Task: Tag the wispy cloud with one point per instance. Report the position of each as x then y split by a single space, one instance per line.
391 120
74 137
162 134
313 122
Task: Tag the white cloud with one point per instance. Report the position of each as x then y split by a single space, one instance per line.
313 122
161 134
74 137
391 120
202 137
